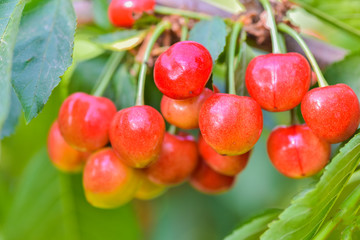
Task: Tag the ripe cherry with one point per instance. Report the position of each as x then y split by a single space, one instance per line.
84 121
182 71
297 152
123 13
136 134
226 165
148 190
278 82
230 124
332 112
61 154
178 159
206 180
184 113
108 182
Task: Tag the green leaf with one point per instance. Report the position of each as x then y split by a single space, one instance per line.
345 71
124 87
100 10
121 40
254 227
42 52
212 34
302 219
13 116
51 205
10 12
231 6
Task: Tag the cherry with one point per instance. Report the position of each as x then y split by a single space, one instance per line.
61 154
230 124
148 190
296 151
122 13
182 71
136 134
226 165
184 113
108 182
314 79
206 180
332 112
278 82
84 121
178 159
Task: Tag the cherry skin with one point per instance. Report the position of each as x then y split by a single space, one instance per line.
178 159
226 165
183 70
230 124
184 113
121 12
136 134
84 121
108 182
278 82
206 180
332 112
148 190
297 152
62 155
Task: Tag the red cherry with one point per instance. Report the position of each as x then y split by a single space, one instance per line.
230 124
148 190
178 159
297 152
183 70
313 78
84 121
121 12
226 165
206 180
61 154
184 113
136 134
108 182
278 82
332 112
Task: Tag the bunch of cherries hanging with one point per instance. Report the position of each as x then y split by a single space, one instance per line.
128 154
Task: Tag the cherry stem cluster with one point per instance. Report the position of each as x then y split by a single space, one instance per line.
285 28
180 12
159 29
275 40
107 73
231 56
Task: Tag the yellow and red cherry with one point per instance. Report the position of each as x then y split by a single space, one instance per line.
136 135
148 190
84 121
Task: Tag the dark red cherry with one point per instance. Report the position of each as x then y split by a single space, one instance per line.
332 112
278 82
123 13
136 134
226 165
230 124
297 152
183 70
84 121
206 180
177 160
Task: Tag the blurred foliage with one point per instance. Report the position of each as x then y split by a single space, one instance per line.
38 202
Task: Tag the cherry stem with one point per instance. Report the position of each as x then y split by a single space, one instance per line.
349 206
293 117
286 29
275 41
107 73
184 30
159 29
185 13
231 56
172 130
